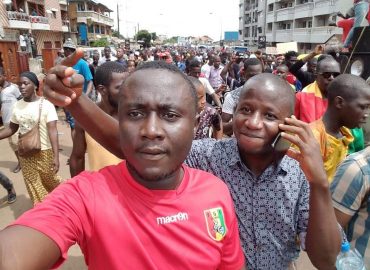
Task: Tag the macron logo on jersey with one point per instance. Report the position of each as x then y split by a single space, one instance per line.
171 219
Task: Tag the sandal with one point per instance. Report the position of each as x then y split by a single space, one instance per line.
12 197
17 169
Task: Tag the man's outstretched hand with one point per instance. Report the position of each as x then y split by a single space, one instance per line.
63 84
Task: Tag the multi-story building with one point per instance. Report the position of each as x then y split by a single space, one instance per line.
303 21
248 21
45 20
89 20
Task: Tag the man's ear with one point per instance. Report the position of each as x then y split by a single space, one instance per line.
339 102
101 89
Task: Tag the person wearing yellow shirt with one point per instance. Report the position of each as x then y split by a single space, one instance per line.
348 107
107 80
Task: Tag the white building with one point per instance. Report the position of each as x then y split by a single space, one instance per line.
303 21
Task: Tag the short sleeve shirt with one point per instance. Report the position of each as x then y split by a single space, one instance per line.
26 115
231 100
8 97
207 86
83 69
272 209
351 195
119 224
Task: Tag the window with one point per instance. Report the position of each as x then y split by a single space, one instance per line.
81 6
57 44
48 45
309 24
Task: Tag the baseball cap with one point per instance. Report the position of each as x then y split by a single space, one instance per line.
69 44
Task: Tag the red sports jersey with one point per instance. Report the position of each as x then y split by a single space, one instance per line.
310 105
119 224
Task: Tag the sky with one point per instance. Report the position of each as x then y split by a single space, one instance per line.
176 18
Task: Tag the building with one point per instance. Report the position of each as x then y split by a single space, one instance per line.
303 21
89 21
45 20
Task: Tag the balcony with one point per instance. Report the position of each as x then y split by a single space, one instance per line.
323 33
65 25
270 36
304 10
323 7
39 23
302 35
83 16
19 20
270 17
63 2
285 14
284 35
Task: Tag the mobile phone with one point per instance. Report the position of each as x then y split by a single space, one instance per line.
280 144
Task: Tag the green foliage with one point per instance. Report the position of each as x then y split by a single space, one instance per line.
145 36
154 35
100 43
116 34
171 40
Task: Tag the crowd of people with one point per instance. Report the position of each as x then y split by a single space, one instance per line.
206 160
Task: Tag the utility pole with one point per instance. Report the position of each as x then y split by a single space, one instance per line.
119 33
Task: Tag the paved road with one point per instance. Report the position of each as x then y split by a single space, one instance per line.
10 212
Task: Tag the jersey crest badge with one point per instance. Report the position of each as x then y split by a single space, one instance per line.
215 221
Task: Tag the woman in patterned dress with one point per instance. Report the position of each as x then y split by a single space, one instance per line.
39 169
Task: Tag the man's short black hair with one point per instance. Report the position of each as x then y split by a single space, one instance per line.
324 56
162 65
347 86
324 59
194 63
103 74
290 54
251 62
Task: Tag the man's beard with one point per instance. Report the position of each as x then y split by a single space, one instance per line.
112 102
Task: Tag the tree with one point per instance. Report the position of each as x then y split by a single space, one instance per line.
145 36
100 42
154 36
171 40
116 34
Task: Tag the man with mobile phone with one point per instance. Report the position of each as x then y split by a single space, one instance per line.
276 196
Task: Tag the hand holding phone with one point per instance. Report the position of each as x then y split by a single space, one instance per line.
280 144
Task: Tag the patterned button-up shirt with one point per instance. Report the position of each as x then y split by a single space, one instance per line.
272 209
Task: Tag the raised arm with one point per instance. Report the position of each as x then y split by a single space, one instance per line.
323 239
77 158
64 88
25 248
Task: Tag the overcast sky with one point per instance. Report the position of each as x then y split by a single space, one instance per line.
176 18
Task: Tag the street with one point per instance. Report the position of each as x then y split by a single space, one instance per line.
9 213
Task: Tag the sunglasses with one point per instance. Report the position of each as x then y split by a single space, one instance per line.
327 75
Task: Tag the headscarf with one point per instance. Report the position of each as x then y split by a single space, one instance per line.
32 77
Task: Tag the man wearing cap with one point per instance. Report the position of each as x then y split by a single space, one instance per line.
83 69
